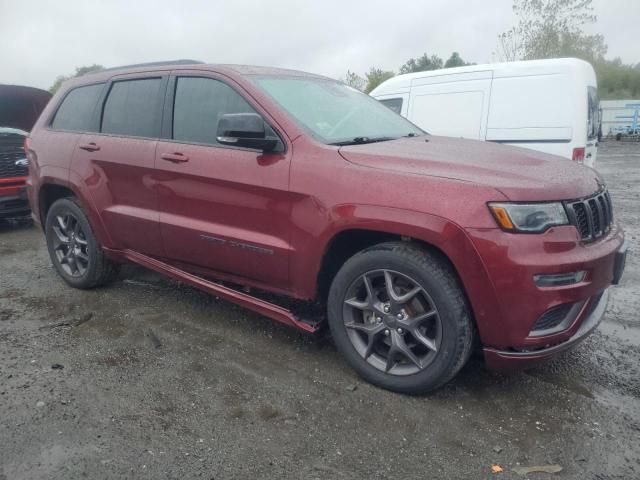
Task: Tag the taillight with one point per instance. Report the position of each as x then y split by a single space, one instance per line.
578 155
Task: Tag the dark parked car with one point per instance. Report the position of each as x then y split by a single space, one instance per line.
19 110
274 180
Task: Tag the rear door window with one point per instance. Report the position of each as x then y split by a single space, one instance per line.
198 106
76 110
133 108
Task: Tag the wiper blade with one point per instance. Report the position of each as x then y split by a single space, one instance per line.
363 140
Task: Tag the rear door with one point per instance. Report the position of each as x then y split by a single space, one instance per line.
116 164
224 209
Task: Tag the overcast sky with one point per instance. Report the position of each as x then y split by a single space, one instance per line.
40 40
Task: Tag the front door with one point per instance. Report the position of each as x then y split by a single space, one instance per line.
221 208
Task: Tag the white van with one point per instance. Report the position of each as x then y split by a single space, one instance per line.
546 105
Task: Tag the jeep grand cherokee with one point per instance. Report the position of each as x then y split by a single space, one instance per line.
281 181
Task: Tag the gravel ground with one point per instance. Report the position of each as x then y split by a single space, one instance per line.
151 379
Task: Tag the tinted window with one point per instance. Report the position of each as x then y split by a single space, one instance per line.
394 104
199 103
76 110
132 108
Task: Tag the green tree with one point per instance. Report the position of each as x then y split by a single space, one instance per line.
354 80
551 29
79 72
455 60
375 77
422 64
617 80
555 28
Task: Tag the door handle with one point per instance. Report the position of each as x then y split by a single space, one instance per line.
176 157
89 147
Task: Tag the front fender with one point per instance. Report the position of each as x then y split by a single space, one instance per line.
433 230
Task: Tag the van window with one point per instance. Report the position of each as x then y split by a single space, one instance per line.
132 109
76 110
394 104
593 125
198 106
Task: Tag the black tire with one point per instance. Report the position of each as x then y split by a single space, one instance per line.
439 283
96 269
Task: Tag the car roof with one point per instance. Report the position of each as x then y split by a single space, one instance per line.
176 65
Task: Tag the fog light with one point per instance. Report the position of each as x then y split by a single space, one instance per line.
559 279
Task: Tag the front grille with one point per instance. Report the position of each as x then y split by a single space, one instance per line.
592 216
553 317
12 150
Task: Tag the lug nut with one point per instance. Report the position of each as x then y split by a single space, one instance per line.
400 331
379 319
386 309
399 316
386 333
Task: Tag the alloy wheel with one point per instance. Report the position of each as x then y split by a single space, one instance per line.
392 322
70 245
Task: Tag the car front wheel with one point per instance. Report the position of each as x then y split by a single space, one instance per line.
398 315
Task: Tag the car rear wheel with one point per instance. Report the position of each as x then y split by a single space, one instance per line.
398 315
73 248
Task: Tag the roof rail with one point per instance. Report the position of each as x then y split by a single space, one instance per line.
183 61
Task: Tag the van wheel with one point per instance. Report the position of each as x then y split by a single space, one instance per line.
74 250
399 316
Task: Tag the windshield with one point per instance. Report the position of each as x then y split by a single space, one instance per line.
335 113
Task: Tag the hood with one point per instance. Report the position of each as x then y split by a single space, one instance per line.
520 174
21 106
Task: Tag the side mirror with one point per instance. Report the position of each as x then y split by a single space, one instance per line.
244 130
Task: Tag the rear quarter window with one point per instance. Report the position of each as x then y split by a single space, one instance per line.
133 108
77 108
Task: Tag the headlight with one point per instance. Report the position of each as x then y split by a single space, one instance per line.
528 217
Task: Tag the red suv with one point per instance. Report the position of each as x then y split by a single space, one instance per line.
243 180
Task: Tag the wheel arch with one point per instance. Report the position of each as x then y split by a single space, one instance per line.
437 235
51 189
350 241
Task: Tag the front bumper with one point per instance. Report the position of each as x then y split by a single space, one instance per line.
505 360
508 319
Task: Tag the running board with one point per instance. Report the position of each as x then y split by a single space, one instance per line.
249 302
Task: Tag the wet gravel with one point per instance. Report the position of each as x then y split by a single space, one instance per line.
151 379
